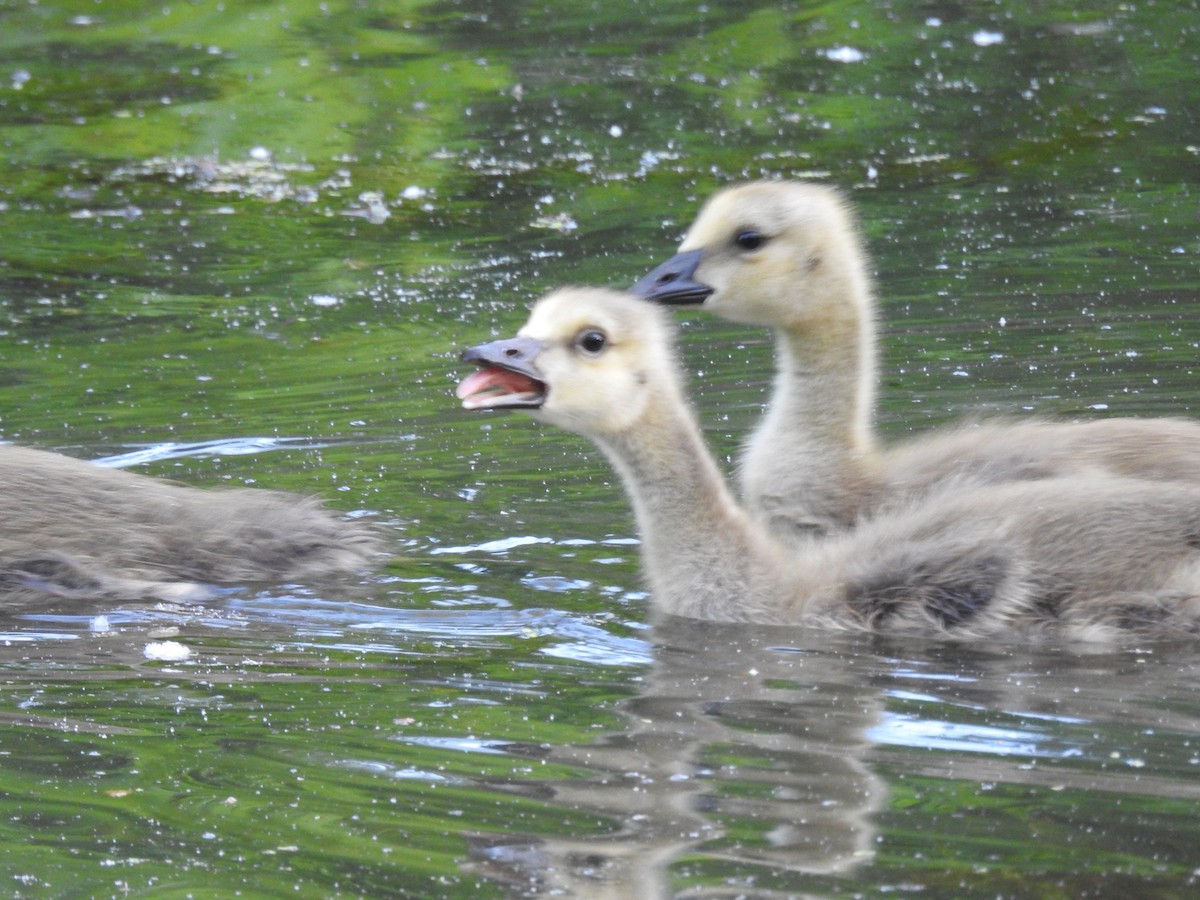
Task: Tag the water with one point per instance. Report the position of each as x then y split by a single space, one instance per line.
244 245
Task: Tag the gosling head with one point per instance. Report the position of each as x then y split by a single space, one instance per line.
588 360
781 254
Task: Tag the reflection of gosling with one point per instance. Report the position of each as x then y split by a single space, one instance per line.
787 256
1085 556
728 735
74 529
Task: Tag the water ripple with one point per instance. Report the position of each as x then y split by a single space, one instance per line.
235 446
902 730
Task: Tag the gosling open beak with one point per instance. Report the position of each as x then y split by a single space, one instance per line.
674 282
507 377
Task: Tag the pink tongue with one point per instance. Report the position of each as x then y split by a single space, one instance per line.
502 380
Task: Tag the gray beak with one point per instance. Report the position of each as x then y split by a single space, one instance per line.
674 282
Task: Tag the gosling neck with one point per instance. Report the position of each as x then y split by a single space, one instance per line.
826 378
812 462
702 555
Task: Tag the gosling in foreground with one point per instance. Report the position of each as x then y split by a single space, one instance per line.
1093 557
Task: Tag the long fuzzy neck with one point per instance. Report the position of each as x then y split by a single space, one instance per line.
702 555
827 381
812 459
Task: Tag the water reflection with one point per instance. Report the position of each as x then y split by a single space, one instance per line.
234 446
301 621
762 761
744 746
741 760
1067 718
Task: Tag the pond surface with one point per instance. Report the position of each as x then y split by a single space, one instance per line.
244 244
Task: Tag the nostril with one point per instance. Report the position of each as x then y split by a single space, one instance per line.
511 352
667 277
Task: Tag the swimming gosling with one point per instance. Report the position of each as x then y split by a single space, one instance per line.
788 256
75 530
1088 558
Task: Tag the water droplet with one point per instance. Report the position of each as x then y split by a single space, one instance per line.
844 55
984 38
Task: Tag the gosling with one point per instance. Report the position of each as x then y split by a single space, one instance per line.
788 256
1093 557
75 530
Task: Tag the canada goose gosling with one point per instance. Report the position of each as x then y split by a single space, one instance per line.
75 530
786 255
1083 557
602 364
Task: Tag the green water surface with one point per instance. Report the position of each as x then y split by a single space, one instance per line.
243 243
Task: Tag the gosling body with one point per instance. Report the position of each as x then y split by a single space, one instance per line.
72 529
789 256
1092 557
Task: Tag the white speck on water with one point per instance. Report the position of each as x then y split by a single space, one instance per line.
374 208
169 651
1098 406
615 131
501 545
262 154
844 55
984 38
560 222
414 192
324 300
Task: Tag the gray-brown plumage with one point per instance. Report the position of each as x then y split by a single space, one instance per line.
1087 557
72 529
787 256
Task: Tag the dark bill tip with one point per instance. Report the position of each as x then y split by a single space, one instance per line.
674 282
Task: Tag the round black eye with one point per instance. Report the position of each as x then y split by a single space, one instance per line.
592 341
750 239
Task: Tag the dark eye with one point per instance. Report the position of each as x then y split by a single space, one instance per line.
591 341
750 239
